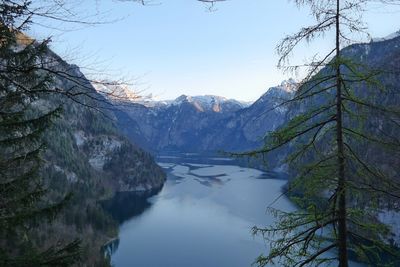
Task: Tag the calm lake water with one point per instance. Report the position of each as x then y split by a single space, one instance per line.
201 218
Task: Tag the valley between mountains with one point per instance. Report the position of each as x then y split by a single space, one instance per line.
135 165
94 173
212 125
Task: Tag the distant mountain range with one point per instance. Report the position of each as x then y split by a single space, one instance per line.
89 154
213 123
203 123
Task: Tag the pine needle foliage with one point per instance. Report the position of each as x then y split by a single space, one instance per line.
23 121
339 188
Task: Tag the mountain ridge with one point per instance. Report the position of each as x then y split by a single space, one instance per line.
83 155
204 123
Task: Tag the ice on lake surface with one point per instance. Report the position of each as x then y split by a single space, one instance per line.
228 170
166 165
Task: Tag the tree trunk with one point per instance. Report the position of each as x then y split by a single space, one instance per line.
342 227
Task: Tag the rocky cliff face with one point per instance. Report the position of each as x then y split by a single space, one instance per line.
89 134
87 155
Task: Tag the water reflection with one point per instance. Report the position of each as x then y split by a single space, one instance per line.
202 217
126 205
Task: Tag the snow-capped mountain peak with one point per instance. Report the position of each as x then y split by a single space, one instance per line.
116 91
289 85
207 102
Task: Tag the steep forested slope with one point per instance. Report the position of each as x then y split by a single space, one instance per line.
380 60
89 157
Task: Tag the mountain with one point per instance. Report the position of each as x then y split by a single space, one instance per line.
91 137
387 38
203 123
264 115
207 124
381 152
207 103
382 58
187 124
87 155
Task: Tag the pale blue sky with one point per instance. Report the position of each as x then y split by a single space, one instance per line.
178 47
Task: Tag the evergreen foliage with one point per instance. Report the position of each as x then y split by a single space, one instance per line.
339 189
23 122
39 164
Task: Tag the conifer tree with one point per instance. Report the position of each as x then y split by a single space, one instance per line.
23 120
338 188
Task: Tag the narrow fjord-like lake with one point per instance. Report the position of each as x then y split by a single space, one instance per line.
202 217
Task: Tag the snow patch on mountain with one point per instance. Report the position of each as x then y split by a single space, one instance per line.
206 102
289 85
116 91
124 93
276 93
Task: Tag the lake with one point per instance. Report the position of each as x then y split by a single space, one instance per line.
202 217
